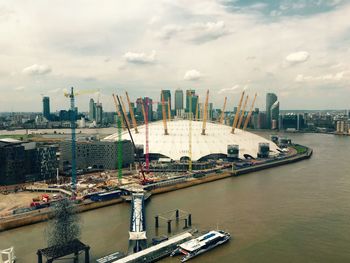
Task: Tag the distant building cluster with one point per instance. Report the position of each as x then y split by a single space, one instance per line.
183 104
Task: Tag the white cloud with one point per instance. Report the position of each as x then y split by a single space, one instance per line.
209 31
55 90
229 90
297 57
154 20
169 31
140 58
19 88
192 75
196 32
37 70
326 77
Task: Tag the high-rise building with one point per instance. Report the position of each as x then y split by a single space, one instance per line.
271 98
148 104
92 110
189 94
167 96
179 100
99 113
210 111
167 99
274 115
46 107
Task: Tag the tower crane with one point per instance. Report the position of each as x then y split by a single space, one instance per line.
71 95
144 179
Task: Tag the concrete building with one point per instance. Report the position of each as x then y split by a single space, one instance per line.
46 108
271 98
26 162
95 154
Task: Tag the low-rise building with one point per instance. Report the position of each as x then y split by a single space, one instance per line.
96 154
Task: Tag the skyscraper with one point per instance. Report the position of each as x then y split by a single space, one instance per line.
271 98
92 110
167 96
167 99
46 107
179 99
274 115
148 104
189 93
99 113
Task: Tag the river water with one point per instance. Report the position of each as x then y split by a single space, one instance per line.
294 213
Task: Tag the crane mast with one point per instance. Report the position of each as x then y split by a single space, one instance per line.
117 109
147 141
124 111
249 114
223 111
242 112
237 113
145 180
169 110
190 134
131 110
164 116
205 113
72 123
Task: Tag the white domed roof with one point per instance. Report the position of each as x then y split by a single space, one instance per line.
176 144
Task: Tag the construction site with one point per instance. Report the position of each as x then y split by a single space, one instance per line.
167 155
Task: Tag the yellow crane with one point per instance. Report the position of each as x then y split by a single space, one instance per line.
205 113
164 116
169 110
249 114
117 110
124 111
237 113
242 112
131 110
223 111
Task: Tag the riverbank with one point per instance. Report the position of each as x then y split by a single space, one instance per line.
37 216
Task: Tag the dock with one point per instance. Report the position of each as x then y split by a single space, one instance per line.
156 252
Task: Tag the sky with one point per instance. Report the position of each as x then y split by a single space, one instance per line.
298 49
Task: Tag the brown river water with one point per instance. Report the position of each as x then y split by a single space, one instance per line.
293 213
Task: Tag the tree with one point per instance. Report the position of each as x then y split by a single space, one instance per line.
64 227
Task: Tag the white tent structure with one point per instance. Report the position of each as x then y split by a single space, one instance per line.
176 144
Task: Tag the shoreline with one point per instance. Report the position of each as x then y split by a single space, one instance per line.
45 214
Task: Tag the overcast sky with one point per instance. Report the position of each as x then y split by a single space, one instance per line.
299 49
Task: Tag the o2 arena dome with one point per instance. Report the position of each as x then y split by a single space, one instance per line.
215 142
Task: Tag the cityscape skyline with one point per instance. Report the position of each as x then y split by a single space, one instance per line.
189 46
